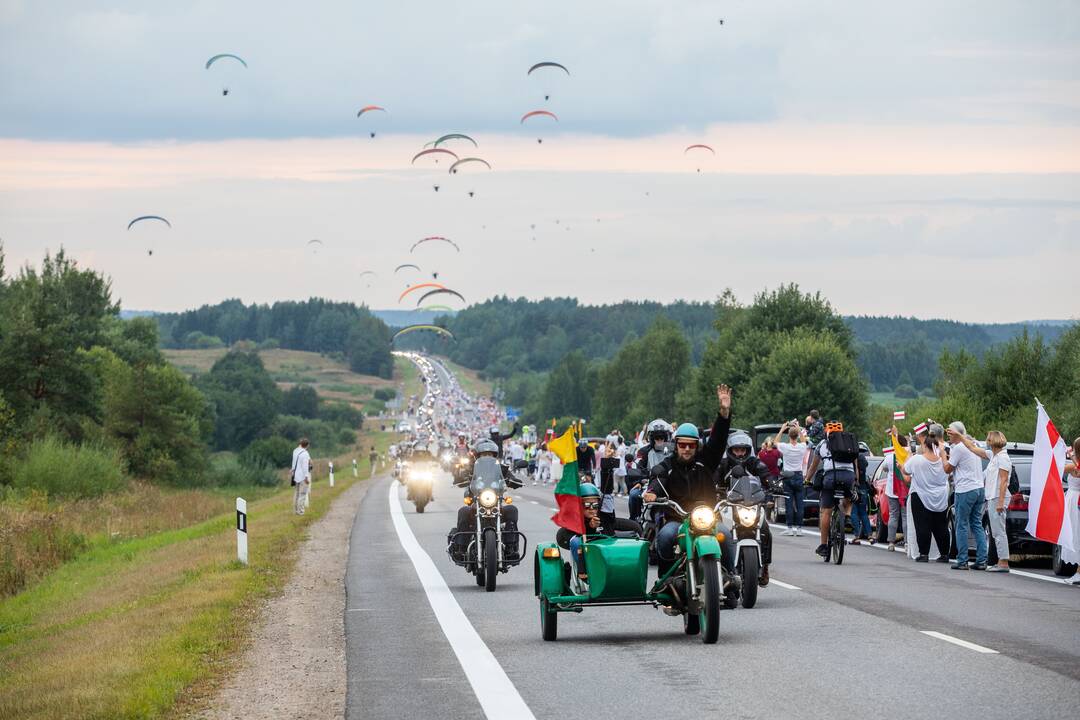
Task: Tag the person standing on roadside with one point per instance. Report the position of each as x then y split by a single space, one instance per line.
860 515
996 486
1072 497
373 457
929 497
792 451
969 498
301 476
896 492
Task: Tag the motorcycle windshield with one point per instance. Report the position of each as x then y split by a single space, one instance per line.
746 490
487 475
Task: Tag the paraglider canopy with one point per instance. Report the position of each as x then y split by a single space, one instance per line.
435 151
215 58
369 108
407 265
432 328
699 146
462 161
434 238
534 113
440 291
545 64
149 217
454 136
420 286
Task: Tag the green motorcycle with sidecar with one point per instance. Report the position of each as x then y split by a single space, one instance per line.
618 573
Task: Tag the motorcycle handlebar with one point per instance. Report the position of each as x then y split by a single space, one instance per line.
666 502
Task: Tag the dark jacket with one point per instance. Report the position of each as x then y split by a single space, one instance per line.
751 464
688 484
711 451
498 438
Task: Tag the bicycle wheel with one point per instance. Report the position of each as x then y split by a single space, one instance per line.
836 535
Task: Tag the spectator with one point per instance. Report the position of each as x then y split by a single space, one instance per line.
896 493
1072 472
620 472
996 486
929 498
301 476
860 516
771 457
792 451
969 498
815 429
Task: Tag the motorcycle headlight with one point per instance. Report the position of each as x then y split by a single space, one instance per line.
702 519
747 516
488 498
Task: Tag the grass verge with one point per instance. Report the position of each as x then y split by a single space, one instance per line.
129 628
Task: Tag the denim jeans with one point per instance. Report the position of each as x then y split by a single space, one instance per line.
969 509
796 491
668 533
635 501
576 552
860 519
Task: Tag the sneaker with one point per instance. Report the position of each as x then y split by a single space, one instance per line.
790 532
892 547
822 550
855 541
1074 580
798 532
997 568
942 559
763 579
959 566
978 566
923 558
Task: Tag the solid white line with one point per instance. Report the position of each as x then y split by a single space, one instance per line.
958 641
536 503
497 695
786 586
1047 578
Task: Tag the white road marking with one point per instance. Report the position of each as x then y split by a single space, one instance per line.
958 641
1047 578
786 586
534 502
497 695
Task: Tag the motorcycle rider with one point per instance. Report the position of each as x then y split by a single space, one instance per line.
658 434
499 438
466 518
740 453
687 478
586 458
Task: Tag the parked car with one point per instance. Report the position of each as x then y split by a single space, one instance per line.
812 498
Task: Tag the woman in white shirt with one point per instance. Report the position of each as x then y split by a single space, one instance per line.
1072 496
996 485
929 498
792 452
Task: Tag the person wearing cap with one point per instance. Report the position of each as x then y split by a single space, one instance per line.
929 497
969 497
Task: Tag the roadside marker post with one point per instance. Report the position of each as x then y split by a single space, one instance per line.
354 470
241 530
331 474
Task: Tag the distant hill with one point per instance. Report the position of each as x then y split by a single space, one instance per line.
402 318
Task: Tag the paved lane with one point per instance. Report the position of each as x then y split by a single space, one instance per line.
826 649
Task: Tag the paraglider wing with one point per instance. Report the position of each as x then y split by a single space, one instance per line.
407 265
367 272
316 240
548 63
699 146
369 108
436 308
148 217
418 287
444 151
433 238
440 291
214 59
534 113
462 161
455 136
432 328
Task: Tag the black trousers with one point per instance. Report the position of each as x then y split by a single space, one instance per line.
929 522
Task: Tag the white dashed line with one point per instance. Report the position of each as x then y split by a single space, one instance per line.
958 641
784 585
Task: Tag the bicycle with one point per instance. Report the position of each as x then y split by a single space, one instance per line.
837 522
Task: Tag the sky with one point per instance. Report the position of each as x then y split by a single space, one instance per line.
917 158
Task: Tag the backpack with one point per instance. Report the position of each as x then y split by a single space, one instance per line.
843 447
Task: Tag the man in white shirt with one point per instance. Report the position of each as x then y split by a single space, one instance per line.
301 476
969 498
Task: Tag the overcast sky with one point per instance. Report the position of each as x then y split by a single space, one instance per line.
904 158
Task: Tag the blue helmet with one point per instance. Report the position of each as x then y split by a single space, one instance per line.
688 430
588 490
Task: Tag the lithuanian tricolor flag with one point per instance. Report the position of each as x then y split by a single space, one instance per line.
567 490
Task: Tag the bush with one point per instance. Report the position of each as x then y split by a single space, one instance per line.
342 414
62 469
274 451
227 469
385 394
270 344
324 436
300 400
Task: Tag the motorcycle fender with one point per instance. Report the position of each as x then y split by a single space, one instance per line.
706 546
749 546
550 570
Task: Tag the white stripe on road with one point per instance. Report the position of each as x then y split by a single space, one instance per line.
497 695
534 502
958 641
1047 578
784 585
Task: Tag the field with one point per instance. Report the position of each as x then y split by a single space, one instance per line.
469 380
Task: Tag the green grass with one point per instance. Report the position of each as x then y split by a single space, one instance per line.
60 468
468 379
890 400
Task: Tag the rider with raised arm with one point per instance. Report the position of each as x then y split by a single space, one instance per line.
499 437
687 478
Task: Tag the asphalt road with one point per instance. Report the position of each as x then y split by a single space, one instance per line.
849 641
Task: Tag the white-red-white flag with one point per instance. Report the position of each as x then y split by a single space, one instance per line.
899 415
1047 519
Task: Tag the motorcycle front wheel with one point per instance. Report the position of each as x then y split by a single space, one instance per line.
750 567
491 559
710 608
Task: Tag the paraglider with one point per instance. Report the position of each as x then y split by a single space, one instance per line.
440 291
535 113
222 56
316 241
433 238
413 288
432 328
547 64
406 265
369 108
433 151
462 161
698 146
149 251
453 136
367 272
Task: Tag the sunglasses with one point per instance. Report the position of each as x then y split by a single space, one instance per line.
592 506
682 445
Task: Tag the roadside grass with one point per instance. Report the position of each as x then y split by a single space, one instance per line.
407 376
128 629
468 379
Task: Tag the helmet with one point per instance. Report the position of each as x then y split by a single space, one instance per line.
486 446
739 439
582 443
493 429
835 426
588 490
688 430
658 429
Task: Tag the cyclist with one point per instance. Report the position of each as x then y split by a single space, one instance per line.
837 475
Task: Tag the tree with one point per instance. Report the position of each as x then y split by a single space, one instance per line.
368 347
47 322
244 397
300 400
568 388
